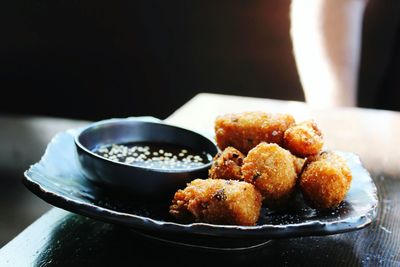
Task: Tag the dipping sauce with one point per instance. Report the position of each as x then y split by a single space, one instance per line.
154 155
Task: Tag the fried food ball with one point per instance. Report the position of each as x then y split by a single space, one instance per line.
271 169
325 180
303 139
298 164
246 130
217 201
227 165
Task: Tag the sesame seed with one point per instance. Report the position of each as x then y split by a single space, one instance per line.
151 156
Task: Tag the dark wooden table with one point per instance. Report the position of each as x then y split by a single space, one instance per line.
23 140
61 238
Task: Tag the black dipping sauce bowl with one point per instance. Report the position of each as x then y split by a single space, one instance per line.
139 181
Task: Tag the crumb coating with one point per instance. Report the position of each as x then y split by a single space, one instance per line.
246 130
227 165
271 169
325 180
217 201
303 139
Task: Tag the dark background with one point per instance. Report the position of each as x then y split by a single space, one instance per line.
90 59
98 59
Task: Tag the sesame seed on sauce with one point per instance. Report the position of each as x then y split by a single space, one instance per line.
154 155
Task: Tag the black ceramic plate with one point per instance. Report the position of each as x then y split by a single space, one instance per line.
57 179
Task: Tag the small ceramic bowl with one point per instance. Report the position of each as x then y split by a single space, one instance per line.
139 181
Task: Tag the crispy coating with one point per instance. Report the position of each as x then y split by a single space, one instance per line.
227 165
217 201
298 164
303 139
271 169
246 130
325 180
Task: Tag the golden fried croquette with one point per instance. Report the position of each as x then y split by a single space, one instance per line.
303 139
298 164
217 201
271 169
227 165
246 130
325 180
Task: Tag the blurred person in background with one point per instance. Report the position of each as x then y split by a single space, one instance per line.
326 36
347 52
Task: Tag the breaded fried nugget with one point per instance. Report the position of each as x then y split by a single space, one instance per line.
271 169
325 180
217 201
303 139
227 165
246 130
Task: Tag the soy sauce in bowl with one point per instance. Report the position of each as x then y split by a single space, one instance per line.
155 155
144 159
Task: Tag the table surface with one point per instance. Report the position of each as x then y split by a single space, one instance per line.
62 238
